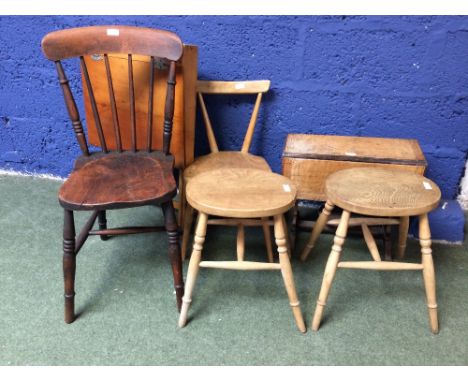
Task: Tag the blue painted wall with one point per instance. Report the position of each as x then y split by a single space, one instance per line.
404 77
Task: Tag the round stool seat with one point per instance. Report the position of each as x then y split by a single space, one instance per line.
382 192
241 193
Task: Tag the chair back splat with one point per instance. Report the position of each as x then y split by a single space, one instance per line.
105 40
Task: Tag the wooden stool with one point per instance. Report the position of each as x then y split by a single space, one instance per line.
242 194
379 192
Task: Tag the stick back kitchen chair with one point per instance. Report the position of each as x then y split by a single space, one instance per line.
129 176
228 159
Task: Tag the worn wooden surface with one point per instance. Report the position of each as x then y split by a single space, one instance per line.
119 180
308 159
225 160
382 192
90 40
241 193
183 130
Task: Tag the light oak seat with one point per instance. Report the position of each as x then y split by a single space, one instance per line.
378 192
242 194
225 160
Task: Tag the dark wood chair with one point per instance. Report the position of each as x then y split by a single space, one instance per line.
128 176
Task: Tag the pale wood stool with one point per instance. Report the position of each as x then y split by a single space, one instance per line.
242 194
379 192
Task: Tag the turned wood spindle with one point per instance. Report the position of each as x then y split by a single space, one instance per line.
72 109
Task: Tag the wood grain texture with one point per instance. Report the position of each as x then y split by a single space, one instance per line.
74 42
309 175
241 193
382 150
225 160
183 130
233 87
382 192
118 180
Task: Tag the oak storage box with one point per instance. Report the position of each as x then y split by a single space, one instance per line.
183 131
308 159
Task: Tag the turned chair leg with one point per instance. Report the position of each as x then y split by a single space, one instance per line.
428 271
267 236
69 265
102 221
174 250
402 236
330 268
194 266
188 219
286 271
318 228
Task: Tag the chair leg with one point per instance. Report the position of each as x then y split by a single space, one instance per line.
294 223
402 236
330 268
188 219
286 272
428 271
174 250
103 224
286 235
200 233
69 265
267 236
318 228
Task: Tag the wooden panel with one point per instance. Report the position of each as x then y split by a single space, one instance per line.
183 134
309 175
358 149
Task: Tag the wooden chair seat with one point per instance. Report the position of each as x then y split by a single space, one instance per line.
241 193
224 160
382 192
119 180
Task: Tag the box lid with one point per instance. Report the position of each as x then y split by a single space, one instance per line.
356 149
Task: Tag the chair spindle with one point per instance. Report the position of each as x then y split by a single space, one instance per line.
251 128
115 116
97 119
72 109
169 108
150 105
131 96
209 128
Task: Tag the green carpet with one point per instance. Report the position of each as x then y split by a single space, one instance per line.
127 306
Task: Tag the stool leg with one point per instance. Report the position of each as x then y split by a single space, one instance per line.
318 228
193 268
330 268
188 219
402 236
240 242
428 271
267 236
286 272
